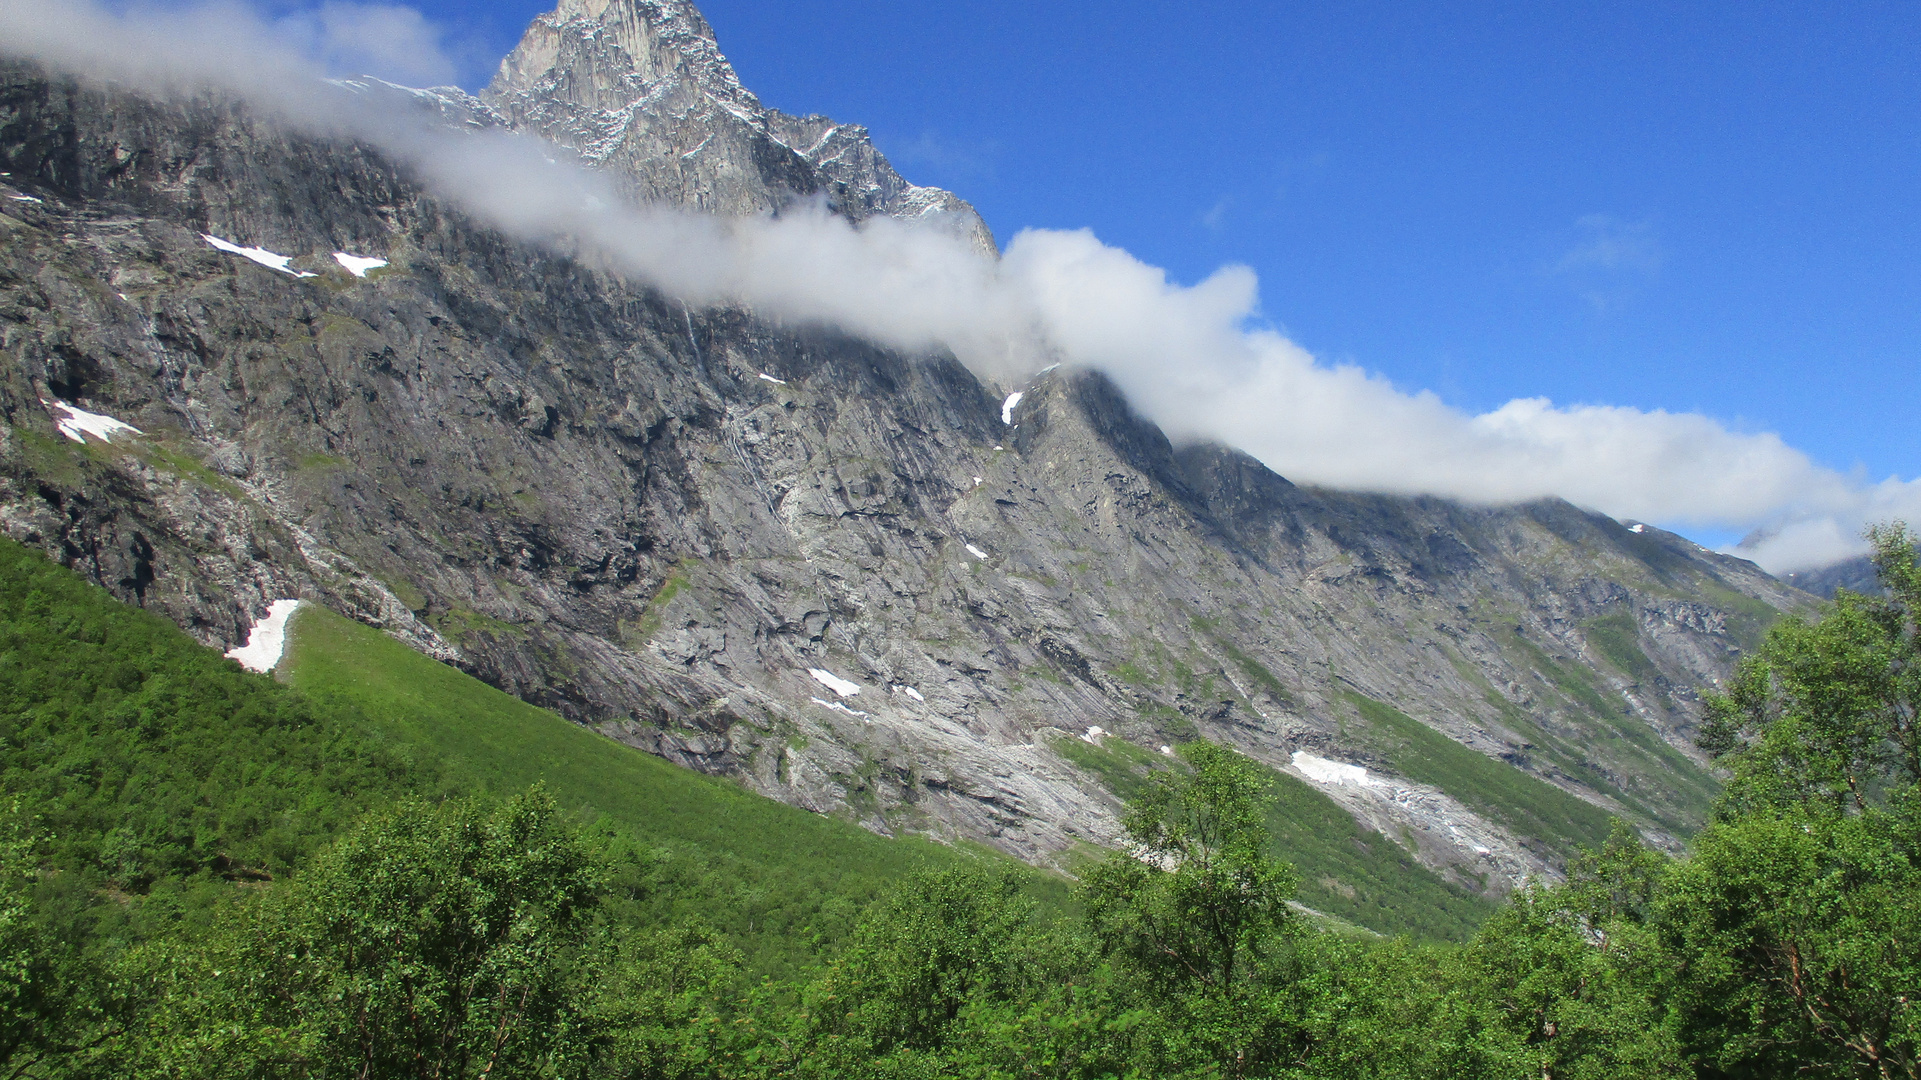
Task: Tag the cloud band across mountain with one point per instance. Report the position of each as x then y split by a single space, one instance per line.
1195 359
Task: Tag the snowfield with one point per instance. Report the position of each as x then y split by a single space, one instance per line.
260 255
834 682
1322 771
77 424
357 265
268 638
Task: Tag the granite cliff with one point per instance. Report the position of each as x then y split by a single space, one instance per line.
640 88
864 582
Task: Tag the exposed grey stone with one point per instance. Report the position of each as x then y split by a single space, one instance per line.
640 89
524 465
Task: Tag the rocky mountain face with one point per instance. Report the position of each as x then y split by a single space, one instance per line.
863 582
640 88
1856 575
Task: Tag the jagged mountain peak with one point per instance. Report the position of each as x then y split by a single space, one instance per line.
616 54
861 581
641 88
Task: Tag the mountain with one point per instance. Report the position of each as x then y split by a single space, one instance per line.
640 88
1856 574
860 581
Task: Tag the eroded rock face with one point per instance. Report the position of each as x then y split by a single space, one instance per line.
640 89
660 521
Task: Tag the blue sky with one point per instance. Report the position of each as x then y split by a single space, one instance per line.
1690 207
1656 260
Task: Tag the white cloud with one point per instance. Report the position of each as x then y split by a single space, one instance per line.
394 43
1187 358
1608 243
1216 215
1193 358
230 45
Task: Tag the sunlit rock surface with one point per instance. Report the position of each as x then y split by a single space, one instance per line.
640 89
661 522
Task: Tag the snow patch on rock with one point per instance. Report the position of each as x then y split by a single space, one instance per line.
838 707
1322 771
260 255
834 682
77 424
268 638
1007 407
357 265
976 552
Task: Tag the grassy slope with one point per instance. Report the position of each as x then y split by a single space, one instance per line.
155 764
1362 876
1530 806
1345 870
774 875
156 774
508 744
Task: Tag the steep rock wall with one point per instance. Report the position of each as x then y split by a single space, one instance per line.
659 521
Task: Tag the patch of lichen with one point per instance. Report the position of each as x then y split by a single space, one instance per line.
52 458
467 626
1256 672
165 457
1617 637
639 632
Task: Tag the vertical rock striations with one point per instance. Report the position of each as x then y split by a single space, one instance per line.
701 533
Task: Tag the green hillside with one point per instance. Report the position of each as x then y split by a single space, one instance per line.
158 774
124 735
507 744
1531 807
783 876
152 770
1346 870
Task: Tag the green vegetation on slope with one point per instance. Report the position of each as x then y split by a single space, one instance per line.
487 937
157 766
1678 802
1121 766
1345 870
1618 639
1361 876
1529 806
159 774
780 879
